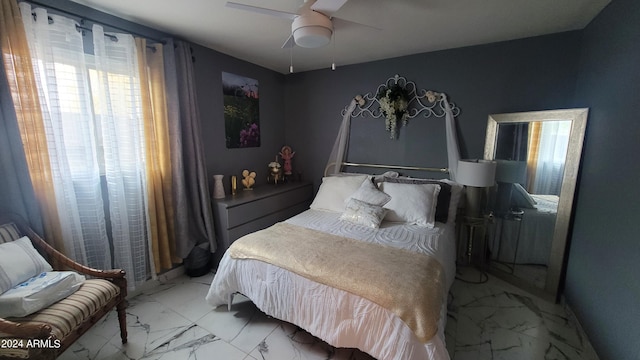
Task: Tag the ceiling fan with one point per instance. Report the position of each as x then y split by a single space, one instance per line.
312 26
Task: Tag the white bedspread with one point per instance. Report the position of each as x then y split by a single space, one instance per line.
338 317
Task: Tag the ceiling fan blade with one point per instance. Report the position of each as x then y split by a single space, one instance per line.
289 42
342 23
327 7
259 10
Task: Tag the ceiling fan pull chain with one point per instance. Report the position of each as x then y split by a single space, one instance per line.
333 54
291 59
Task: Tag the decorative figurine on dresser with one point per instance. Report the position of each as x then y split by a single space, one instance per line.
249 179
287 154
275 172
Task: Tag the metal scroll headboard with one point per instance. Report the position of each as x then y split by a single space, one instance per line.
427 103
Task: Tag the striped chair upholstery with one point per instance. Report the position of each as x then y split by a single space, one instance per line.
66 320
67 314
8 232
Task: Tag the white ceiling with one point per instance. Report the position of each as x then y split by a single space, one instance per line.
408 26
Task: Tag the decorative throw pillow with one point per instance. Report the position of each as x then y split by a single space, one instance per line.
444 197
369 193
334 190
19 261
39 292
362 213
412 203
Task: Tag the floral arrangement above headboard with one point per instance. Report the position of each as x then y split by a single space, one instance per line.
399 100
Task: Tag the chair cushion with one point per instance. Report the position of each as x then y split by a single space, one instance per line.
39 292
67 314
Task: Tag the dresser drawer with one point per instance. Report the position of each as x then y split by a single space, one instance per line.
258 208
265 222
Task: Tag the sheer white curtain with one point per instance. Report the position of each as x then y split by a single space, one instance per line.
453 150
552 152
341 145
118 104
93 116
63 89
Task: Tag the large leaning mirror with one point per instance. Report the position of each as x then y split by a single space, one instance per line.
538 156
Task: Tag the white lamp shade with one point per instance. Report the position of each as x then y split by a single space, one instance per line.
478 173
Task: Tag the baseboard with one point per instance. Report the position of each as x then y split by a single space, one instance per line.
174 273
574 319
168 275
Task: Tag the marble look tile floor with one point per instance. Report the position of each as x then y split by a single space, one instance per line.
172 321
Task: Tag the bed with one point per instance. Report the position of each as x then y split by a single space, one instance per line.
340 317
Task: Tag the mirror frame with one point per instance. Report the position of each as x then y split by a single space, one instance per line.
556 267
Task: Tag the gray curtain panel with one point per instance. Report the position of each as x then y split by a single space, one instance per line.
16 191
194 221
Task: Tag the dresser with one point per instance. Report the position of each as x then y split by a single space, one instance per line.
252 210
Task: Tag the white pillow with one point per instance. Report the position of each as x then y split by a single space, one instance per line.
362 213
369 193
334 190
412 203
39 292
19 261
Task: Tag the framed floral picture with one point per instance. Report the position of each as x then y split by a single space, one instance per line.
241 111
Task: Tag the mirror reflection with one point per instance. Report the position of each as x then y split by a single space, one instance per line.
530 163
537 156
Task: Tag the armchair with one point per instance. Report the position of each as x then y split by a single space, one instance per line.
47 333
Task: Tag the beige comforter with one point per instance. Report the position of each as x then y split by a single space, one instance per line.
409 284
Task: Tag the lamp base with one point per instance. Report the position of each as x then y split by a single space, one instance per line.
476 198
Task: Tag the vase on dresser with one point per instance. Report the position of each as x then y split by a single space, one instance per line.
218 187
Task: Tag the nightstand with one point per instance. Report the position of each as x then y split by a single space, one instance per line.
253 210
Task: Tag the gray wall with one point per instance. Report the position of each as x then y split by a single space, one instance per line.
208 67
531 74
603 274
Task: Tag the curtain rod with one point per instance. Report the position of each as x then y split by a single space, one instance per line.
113 38
83 18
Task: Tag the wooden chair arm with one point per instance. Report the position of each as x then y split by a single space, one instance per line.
60 259
25 331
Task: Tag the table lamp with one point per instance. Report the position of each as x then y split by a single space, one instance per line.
477 176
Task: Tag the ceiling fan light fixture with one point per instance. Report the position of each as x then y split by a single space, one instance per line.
312 30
